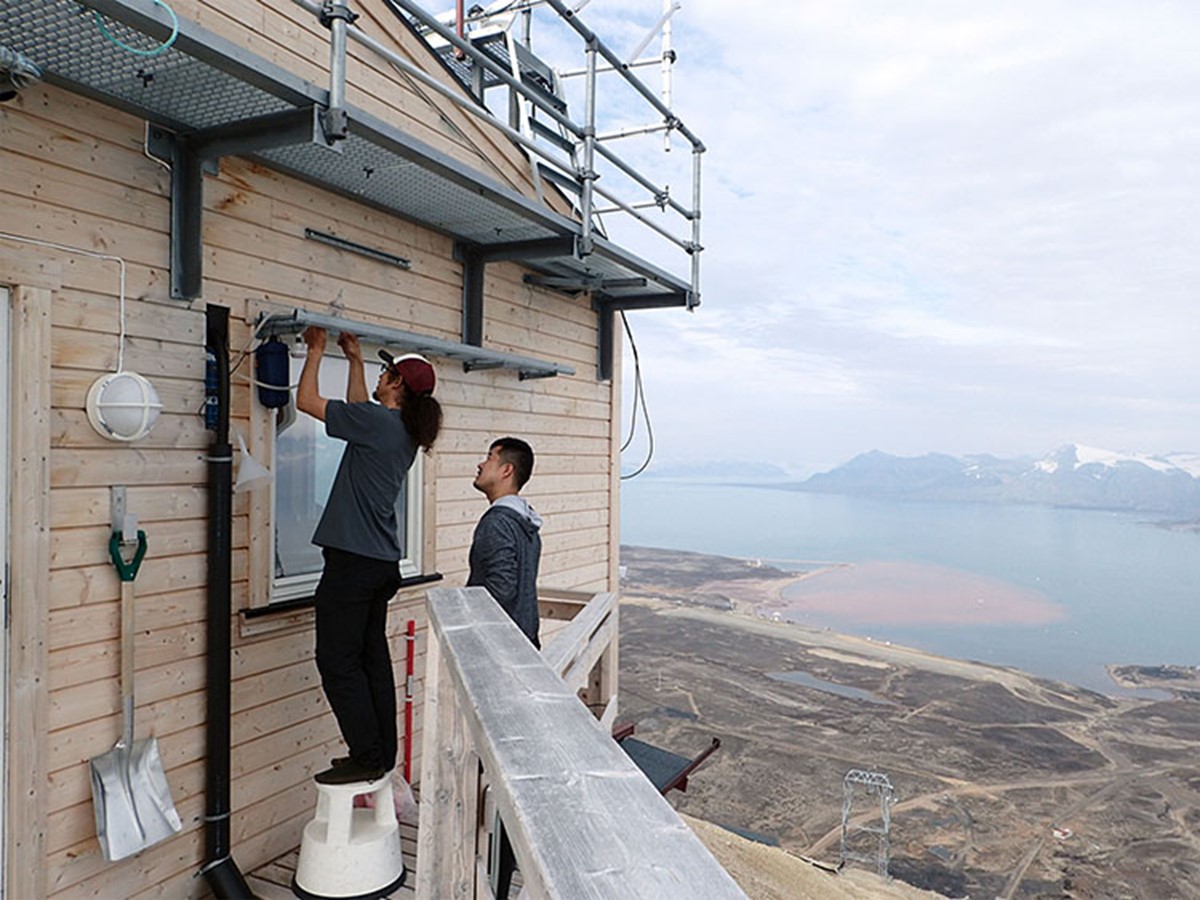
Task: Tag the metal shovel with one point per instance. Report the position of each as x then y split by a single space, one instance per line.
130 794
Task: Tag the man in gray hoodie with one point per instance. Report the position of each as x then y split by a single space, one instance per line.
505 552
507 545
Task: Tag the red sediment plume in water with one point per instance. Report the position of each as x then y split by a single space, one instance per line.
902 593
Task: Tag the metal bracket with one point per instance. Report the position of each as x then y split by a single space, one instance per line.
605 344
331 11
196 153
123 522
606 307
160 144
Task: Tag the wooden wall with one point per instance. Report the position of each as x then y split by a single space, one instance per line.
76 174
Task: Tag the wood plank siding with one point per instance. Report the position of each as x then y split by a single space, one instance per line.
76 174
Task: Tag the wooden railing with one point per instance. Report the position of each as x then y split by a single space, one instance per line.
583 820
584 653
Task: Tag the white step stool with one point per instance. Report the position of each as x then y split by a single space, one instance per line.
348 853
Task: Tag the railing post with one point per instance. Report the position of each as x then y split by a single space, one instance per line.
336 16
588 172
694 297
609 667
449 791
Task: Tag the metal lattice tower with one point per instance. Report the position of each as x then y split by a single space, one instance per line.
868 784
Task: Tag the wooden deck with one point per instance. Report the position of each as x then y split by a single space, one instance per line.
274 880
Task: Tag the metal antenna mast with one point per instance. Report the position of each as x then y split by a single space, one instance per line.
868 784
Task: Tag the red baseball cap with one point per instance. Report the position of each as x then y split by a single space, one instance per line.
415 369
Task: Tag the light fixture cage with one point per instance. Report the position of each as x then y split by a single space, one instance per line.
123 406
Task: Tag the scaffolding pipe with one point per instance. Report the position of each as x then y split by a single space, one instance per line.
429 81
602 70
650 186
630 132
588 35
460 27
670 7
588 172
668 64
482 113
442 31
693 215
653 226
336 16
694 299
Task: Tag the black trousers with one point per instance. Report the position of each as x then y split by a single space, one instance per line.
352 653
506 865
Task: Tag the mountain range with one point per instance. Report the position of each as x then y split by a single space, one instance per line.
1071 476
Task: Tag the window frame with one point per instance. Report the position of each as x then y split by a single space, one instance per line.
269 590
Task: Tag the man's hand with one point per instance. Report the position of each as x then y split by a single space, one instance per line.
308 392
314 337
356 379
349 344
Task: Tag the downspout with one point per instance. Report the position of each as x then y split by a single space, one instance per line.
219 868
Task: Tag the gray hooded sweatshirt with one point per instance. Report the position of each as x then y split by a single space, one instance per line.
505 552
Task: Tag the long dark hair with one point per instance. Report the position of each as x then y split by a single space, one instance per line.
422 416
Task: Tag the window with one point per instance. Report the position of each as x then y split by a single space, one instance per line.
306 460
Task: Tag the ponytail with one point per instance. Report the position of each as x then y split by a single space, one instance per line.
422 416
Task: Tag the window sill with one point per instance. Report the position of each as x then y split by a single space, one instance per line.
299 613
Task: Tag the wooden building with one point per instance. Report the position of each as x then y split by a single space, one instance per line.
167 162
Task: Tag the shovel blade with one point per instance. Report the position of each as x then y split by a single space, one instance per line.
132 799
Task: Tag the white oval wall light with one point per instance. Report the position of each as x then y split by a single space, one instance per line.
123 406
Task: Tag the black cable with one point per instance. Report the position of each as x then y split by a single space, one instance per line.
637 370
639 397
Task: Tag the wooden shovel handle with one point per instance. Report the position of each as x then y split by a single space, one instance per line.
127 667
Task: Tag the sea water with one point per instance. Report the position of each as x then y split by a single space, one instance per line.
1059 593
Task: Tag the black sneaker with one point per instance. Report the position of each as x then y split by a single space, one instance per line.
349 773
339 761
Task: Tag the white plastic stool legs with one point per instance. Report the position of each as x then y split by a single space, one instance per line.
350 853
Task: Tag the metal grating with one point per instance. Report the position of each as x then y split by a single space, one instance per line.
369 172
173 89
203 81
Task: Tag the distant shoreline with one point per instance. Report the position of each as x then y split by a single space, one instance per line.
763 599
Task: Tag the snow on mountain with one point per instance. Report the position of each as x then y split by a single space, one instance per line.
1189 462
1079 455
1086 455
1071 476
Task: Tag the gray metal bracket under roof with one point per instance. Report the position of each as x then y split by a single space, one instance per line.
290 323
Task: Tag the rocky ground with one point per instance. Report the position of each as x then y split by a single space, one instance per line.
1007 785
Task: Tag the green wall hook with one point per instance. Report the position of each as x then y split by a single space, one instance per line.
126 570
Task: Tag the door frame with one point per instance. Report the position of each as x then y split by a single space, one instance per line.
26 692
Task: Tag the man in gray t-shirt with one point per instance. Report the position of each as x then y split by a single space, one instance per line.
357 534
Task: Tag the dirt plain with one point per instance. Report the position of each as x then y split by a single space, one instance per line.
1007 785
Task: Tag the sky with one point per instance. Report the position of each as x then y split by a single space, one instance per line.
928 227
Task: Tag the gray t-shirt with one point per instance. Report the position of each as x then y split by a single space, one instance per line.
360 516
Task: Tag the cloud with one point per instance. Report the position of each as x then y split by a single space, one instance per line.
943 225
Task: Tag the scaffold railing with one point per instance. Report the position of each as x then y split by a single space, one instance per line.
483 51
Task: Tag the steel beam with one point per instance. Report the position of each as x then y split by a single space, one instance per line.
519 251
190 151
606 318
472 293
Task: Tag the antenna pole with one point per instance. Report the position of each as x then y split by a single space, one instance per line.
668 63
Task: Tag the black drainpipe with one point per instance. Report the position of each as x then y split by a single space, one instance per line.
219 868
